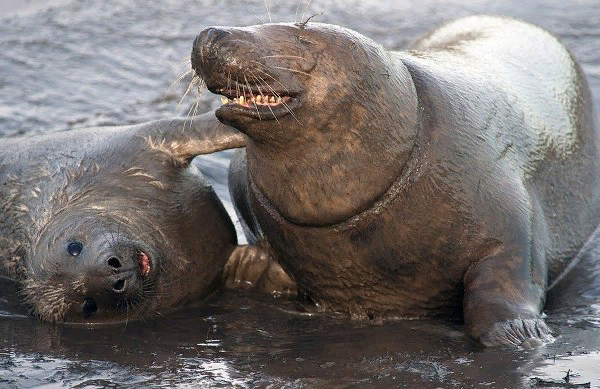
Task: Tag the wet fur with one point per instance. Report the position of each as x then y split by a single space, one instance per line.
133 181
460 173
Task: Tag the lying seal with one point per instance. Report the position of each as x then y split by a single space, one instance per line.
109 224
460 173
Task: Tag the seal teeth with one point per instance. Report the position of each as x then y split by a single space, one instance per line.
254 99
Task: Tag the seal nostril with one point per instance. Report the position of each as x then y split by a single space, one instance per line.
119 286
89 307
210 36
114 262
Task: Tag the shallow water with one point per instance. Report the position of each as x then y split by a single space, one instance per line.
81 63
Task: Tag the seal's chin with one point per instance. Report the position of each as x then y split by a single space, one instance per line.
257 104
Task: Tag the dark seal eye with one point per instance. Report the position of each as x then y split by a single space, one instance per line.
89 307
75 248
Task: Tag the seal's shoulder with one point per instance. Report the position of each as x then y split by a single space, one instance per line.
519 64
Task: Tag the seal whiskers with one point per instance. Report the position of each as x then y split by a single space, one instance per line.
178 79
261 80
261 93
297 8
292 70
282 56
195 81
305 9
253 100
274 79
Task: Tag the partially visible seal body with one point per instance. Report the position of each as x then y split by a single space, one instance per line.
460 173
110 224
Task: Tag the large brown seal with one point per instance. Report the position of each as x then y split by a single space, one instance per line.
110 224
462 172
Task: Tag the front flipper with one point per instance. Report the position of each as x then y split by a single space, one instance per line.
251 267
184 138
504 295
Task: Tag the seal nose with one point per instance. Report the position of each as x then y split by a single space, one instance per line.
209 37
205 48
120 285
122 281
111 280
109 283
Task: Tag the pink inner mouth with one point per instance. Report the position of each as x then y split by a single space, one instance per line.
144 262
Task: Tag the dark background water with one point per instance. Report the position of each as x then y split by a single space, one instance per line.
82 63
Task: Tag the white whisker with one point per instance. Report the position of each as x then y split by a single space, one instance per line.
297 8
276 80
305 8
283 56
191 118
282 102
268 11
187 91
271 109
281 67
293 70
178 80
185 62
252 99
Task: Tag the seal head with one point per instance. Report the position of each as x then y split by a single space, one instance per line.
95 266
285 87
112 224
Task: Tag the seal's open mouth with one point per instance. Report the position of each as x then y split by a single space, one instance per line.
256 103
144 263
257 81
